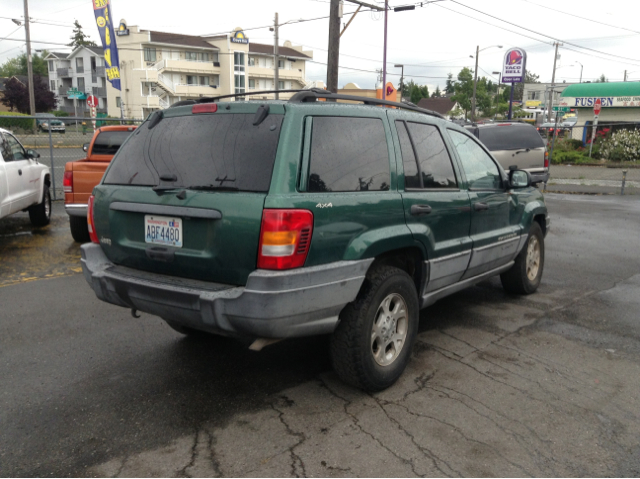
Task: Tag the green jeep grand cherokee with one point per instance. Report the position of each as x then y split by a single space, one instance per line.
281 219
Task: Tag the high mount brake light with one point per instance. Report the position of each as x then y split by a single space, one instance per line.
205 108
285 237
67 182
90 223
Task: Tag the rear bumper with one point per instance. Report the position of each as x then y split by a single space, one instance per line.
76 209
541 177
273 304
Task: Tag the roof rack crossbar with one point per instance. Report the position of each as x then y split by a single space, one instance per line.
208 99
313 94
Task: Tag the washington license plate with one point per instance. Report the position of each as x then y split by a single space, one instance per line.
163 230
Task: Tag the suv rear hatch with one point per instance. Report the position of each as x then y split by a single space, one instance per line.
184 195
514 144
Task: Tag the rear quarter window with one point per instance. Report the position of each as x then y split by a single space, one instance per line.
348 154
109 142
511 137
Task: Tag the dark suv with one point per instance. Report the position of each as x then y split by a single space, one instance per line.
271 220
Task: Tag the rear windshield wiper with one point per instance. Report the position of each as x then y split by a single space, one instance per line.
213 188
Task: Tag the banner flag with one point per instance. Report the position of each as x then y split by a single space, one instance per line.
102 11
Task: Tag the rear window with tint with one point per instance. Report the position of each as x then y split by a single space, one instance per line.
218 150
348 154
511 137
109 142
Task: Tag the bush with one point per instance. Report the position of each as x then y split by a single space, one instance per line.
59 113
622 145
12 123
560 157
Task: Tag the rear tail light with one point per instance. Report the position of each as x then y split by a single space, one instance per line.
90 223
205 108
285 237
67 182
546 159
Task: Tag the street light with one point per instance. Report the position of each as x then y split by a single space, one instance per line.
475 80
401 80
384 55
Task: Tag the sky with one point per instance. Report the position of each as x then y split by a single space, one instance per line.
431 41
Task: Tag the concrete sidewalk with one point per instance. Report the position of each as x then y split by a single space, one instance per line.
593 180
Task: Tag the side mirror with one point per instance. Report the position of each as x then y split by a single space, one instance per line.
85 147
519 179
33 154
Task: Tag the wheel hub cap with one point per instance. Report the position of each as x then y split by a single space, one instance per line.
533 258
389 331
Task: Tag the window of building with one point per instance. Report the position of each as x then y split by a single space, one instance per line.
80 83
481 172
192 80
252 62
51 65
214 57
252 84
215 80
204 81
191 56
79 65
53 85
348 154
149 54
280 64
118 102
239 83
280 85
238 62
434 163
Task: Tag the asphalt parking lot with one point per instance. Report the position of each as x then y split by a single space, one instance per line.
544 385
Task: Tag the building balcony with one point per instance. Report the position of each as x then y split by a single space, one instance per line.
99 91
100 71
65 72
259 72
195 90
79 69
185 66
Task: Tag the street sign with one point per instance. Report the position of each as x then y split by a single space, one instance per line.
92 101
74 94
562 109
597 107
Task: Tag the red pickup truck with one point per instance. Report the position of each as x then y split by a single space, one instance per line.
81 176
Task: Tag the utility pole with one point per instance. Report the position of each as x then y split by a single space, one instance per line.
32 98
553 82
275 56
334 46
625 75
475 83
384 54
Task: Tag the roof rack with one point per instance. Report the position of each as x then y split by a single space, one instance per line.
304 96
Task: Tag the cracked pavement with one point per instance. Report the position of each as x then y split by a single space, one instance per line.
498 385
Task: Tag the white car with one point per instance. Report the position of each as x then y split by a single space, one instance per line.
24 182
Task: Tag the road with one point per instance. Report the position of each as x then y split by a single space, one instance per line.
544 385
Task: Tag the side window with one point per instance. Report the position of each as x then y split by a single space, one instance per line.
5 150
434 163
411 178
17 151
348 154
482 173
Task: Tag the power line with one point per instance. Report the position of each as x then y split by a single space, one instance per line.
573 15
543 34
12 32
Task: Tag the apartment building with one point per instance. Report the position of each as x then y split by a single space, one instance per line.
83 70
158 69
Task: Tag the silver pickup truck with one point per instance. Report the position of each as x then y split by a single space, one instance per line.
515 144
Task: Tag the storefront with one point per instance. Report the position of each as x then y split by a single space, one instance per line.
620 106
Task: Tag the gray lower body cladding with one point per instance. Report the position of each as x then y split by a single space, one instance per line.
273 304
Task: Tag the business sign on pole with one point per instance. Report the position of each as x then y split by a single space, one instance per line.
102 11
514 66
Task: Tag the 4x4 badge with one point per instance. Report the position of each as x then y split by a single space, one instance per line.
324 205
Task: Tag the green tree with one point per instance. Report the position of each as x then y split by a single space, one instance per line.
602 79
463 90
79 39
16 96
449 86
437 93
18 65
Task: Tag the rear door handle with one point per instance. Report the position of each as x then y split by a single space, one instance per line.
20 172
480 206
420 210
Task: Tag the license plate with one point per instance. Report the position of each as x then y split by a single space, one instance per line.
163 230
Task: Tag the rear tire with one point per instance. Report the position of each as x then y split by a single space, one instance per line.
372 344
525 275
40 214
79 229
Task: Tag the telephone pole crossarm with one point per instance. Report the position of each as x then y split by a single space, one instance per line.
368 5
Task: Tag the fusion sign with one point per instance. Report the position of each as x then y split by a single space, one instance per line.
514 66
605 101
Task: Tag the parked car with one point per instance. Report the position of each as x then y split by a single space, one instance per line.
516 144
47 121
271 220
81 176
24 182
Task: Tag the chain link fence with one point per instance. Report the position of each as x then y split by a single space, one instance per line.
57 144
